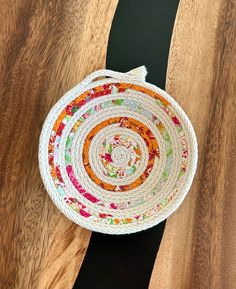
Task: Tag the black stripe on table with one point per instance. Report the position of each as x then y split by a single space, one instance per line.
140 34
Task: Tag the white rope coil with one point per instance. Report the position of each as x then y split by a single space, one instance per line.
117 155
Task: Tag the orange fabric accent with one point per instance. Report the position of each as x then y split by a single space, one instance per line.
139 128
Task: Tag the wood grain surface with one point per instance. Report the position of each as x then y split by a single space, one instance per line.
198 250
46 47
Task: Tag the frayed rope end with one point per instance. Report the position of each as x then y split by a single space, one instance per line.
138 73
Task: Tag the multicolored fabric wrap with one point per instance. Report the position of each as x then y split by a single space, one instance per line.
117 155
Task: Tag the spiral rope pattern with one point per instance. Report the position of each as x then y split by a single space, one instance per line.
117 155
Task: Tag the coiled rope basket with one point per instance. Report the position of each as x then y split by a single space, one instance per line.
117 155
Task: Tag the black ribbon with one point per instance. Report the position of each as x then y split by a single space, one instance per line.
141 34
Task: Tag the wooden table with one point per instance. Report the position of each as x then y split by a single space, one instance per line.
49 46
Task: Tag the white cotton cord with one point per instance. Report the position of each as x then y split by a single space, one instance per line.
117 155
138 73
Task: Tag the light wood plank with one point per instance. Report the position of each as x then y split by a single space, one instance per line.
198 250
46 47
